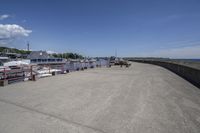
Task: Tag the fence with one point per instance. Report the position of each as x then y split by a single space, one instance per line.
14 75
102 62
32 72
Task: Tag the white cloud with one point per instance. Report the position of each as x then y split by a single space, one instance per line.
4 16
12 31
183 52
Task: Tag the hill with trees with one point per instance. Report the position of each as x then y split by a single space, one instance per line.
56 55
68 56
13 50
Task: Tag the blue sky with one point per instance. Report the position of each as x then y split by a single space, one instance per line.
160 28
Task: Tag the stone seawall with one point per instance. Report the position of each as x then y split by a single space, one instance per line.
188 73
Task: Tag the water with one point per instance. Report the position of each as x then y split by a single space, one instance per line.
190 60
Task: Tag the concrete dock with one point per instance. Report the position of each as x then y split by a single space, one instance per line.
141 99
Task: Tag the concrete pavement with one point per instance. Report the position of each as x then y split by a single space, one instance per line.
141 99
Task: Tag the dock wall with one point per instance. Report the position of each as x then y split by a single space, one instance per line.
190 74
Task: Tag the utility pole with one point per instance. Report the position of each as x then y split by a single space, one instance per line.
28 46
115 52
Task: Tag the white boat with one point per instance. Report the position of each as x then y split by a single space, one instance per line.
3 68
15 63
46 72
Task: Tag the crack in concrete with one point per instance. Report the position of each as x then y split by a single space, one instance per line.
51 115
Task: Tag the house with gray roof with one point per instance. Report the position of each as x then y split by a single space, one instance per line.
42 57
